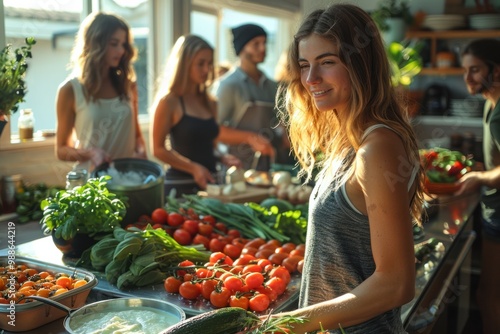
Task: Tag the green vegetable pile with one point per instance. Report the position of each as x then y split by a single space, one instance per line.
289 222
28 201
443 165
88 209
251 219
135 258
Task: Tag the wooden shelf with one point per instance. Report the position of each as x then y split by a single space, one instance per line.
450 34
442 71
434 36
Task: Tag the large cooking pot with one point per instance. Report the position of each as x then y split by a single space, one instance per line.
143 197
159 315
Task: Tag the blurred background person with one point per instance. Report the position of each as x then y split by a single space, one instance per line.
481 62
246 96
97 105
186 114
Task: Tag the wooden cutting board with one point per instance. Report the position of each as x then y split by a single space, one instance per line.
252 194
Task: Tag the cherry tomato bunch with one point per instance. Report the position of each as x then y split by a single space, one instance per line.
247 282
188 228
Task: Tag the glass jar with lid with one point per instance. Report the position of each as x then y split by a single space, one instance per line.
76 177
26 124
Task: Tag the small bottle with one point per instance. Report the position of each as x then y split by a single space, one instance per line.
26 124
76 178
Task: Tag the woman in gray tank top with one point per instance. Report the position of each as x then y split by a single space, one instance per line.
359 261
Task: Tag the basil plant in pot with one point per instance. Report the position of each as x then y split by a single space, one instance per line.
13 68
392 18
79 217
406 63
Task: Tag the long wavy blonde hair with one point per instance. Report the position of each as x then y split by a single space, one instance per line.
89 51
335 139
175 77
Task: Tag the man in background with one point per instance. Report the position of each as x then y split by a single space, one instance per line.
246 96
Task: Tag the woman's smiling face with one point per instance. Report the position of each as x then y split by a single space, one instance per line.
323 75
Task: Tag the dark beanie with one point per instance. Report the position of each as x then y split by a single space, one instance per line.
244 33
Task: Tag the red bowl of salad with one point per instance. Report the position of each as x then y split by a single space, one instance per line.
443 168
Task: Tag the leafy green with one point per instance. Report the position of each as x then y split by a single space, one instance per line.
139 258
13 68
29 199
88 209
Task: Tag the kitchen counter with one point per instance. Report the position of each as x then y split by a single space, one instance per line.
451 225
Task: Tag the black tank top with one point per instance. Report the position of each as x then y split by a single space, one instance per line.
193 138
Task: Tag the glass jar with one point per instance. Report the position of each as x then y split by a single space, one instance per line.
10 186
26 124
77 177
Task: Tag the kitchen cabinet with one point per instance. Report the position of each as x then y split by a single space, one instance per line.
435 36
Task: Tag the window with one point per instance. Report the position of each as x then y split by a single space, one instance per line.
54 24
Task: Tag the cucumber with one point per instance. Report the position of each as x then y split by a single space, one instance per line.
227 320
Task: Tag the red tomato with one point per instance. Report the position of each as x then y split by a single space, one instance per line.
300 266
216 245
220 297
221 227
238 301
257 242
155 226
252 268
254 280
205 229
232 251
190 290
234 233
220 258
259 303
175 219
249 250
185 263
233 283
277 258
159 216
266 290
201 239
282 273
203 273
207 286
277 284
191 226
144 219
172 284
291 263
209 219
182 236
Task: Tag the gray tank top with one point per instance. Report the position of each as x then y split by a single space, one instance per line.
337 266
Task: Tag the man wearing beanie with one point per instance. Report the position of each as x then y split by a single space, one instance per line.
245 94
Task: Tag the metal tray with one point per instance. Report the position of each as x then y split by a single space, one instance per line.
199 305
24 317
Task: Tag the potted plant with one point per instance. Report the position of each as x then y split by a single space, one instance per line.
13 68
77 217
392 17
406 63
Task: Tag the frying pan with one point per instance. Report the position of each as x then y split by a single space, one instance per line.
164 309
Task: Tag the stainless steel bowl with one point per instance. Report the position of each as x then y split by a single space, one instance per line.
163 309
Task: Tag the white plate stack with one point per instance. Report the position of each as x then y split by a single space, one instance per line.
445 22
470 107
484 21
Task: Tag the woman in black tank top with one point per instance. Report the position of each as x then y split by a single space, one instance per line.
185 116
